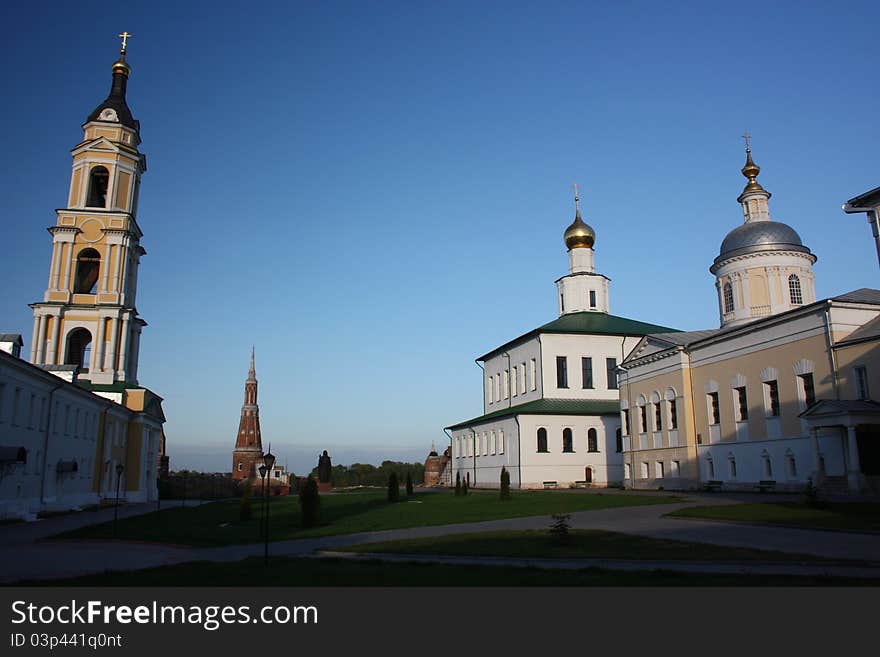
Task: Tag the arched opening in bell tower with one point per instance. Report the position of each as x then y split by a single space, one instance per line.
88 263
99 179
79 349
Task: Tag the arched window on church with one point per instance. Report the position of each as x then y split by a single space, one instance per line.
592 441
794 289
728 298
567 441
88 264
79 349
99 178
542 439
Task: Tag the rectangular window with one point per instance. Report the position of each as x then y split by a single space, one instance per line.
514 383
627 471
611 366
643 412
626 421
644 470
673 414
501 442
658 424
861 373
658 470
714 414
498 387
773 398
533 373
675 469
522 369
808 388
561 372
490 389
592 298
587 372
16 400
742 405
505 384
492 445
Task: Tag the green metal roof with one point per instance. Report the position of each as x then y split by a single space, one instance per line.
550 407
588 323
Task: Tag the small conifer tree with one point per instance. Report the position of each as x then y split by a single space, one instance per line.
309 503
458 484
409 484
505 484
393 488
244 509
464 488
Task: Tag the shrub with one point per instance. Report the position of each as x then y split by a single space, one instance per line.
309 503
244 509
393 488
505 484
561 526
409 485
464 488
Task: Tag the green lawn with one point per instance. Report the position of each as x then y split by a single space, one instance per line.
217 523
334 572
583 543
858 517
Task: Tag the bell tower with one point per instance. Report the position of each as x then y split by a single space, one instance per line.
88 317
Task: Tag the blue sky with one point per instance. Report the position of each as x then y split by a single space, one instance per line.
375 193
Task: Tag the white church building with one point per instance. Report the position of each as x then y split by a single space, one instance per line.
552 410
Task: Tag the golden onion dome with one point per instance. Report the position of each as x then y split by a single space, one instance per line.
121 66
751 170
579 235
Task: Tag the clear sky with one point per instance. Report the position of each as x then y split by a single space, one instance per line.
373 194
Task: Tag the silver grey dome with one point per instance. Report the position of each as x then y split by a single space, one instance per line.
757 236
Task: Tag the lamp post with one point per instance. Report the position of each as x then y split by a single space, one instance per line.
269 465
262 471
119 470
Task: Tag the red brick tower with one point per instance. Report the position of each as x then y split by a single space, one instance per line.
248 444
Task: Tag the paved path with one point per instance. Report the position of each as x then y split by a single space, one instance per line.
24 556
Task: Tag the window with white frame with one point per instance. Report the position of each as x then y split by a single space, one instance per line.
592 440
627 471
771 398
675 469
505 386
567 440
523 385
728 298
741 404
514 382
533 374
498 386
492 446
501 441
491 389
794 290
542 439
714 410
808 389
645 470
659 470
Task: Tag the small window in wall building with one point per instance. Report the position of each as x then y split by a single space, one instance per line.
861 377
611 366
728 298
542 439
714 413
772 389
561 372
533 374
592 298
567 441
587 372
808 389
742 405
99 178
593 441
794 289
673 414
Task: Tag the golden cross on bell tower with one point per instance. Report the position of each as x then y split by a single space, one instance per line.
577 198
125 36
747 137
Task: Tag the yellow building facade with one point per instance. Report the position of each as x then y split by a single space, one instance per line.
779 397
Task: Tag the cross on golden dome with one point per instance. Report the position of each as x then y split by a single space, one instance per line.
125 36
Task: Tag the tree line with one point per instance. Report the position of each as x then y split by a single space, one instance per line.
365 474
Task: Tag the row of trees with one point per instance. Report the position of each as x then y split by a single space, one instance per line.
365 474
461 488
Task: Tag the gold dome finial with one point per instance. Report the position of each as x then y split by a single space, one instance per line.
578 235
120 65
751 170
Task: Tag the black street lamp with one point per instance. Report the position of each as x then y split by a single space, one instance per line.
119 470
262 471
269 465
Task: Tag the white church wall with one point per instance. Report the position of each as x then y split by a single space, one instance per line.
480 451
574 347
523 365
567 468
